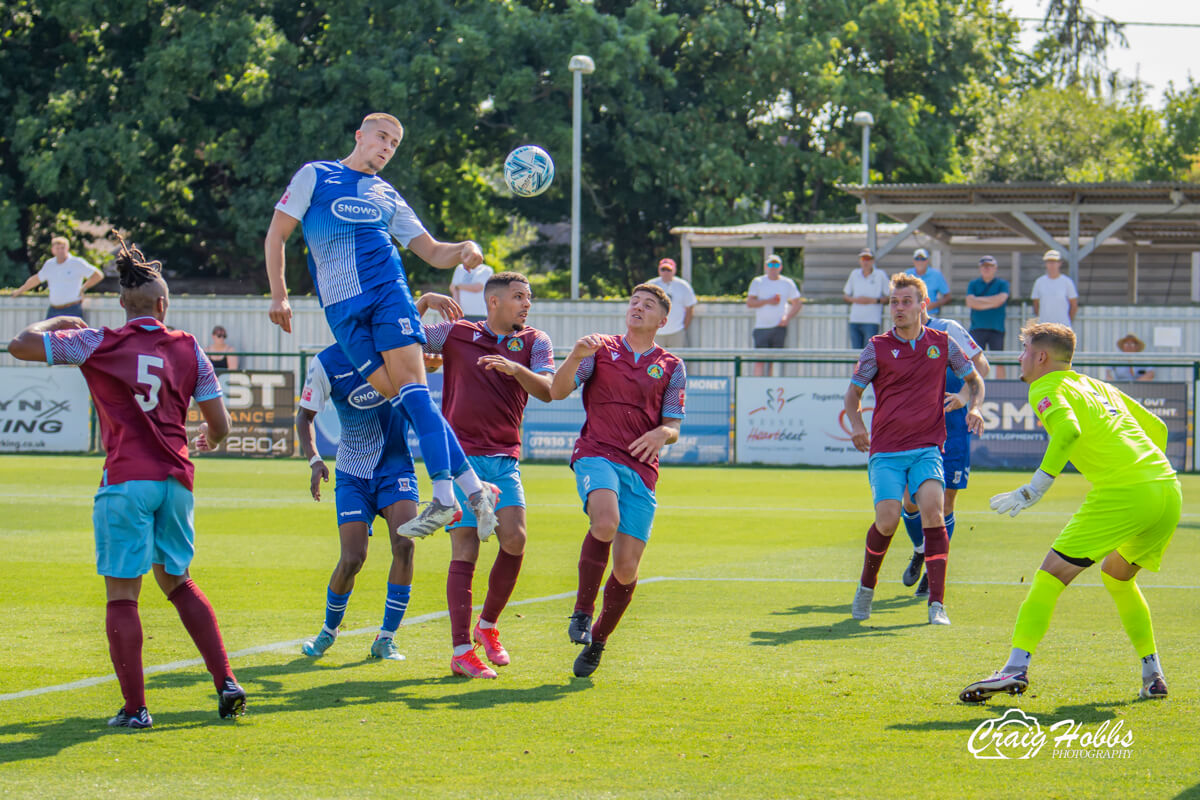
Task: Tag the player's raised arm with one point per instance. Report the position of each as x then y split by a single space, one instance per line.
567 377
30 344
446 255
281 228
443 304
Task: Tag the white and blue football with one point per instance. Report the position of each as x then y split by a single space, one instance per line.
528 170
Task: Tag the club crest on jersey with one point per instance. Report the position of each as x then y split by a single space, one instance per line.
515 345
654 371
934 351
353 209
1044 404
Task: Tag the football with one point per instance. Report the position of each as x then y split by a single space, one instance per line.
528 171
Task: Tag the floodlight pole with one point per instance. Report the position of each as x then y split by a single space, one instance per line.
865 120
579 66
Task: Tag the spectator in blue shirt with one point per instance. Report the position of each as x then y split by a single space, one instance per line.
987 297
935 282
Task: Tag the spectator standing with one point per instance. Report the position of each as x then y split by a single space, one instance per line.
220 351
987 298
67 277
467 288
935 281
775 300
1054 296
866 291
683 301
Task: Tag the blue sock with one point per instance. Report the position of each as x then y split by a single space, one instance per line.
912 526
950 524
394 608
430 426
335 608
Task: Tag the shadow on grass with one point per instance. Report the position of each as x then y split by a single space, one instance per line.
1189 794
842 629
1089 714
880 604
266 694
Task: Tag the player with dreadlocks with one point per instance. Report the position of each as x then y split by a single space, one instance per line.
142 378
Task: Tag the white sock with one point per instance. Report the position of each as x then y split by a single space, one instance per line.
462 648
1018 660
326 630
443 492
1150 666
468 481
385 634
920 548
483 623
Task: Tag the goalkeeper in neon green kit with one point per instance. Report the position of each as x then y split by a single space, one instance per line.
1126 520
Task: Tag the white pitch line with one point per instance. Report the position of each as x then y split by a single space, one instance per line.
275 646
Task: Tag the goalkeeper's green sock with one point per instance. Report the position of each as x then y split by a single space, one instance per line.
1135 614
1033 620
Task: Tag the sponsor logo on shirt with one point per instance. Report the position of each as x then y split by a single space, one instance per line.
515 345
365 397
1044 405
285 197
654 371
307 394
934 351
352 209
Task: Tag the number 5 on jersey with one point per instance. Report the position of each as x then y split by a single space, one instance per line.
146 378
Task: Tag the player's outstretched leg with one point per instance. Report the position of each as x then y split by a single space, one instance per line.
876 549
1135 618
501 582
464 660
617 597
335 610
394 606
1033 620
937 551
593 560
124 629
200 620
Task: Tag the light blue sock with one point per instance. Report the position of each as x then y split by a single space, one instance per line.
430 426
335 608
950 524
394 608
912 526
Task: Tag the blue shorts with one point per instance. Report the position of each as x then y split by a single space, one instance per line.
382 318
635 503
140 523
956 461
362 499
890 473
505 472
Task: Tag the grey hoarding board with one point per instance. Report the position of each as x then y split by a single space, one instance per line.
44 410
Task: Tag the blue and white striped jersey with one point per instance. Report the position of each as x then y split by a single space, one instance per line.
373 433
349 219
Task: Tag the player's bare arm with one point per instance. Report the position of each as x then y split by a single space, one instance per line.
858 430
794 307
442 304
564 380
92 280
536 385
647 446
28 345
308 444
32 283
446 255
975 392
281 228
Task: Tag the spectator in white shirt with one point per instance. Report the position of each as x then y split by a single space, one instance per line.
467 288
67 278
1054 296
775 300
867 291
683 300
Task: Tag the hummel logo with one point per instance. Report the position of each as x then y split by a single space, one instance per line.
895 354
348 514
475 336
345 375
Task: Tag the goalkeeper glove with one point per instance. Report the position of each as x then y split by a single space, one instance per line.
1016 501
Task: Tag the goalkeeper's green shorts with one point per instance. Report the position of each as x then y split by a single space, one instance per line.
1137 521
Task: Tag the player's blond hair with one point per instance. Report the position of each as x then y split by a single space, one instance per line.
380 116
663 298
902 280
58 239
1058 340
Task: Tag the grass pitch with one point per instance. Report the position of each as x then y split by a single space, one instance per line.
737 673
